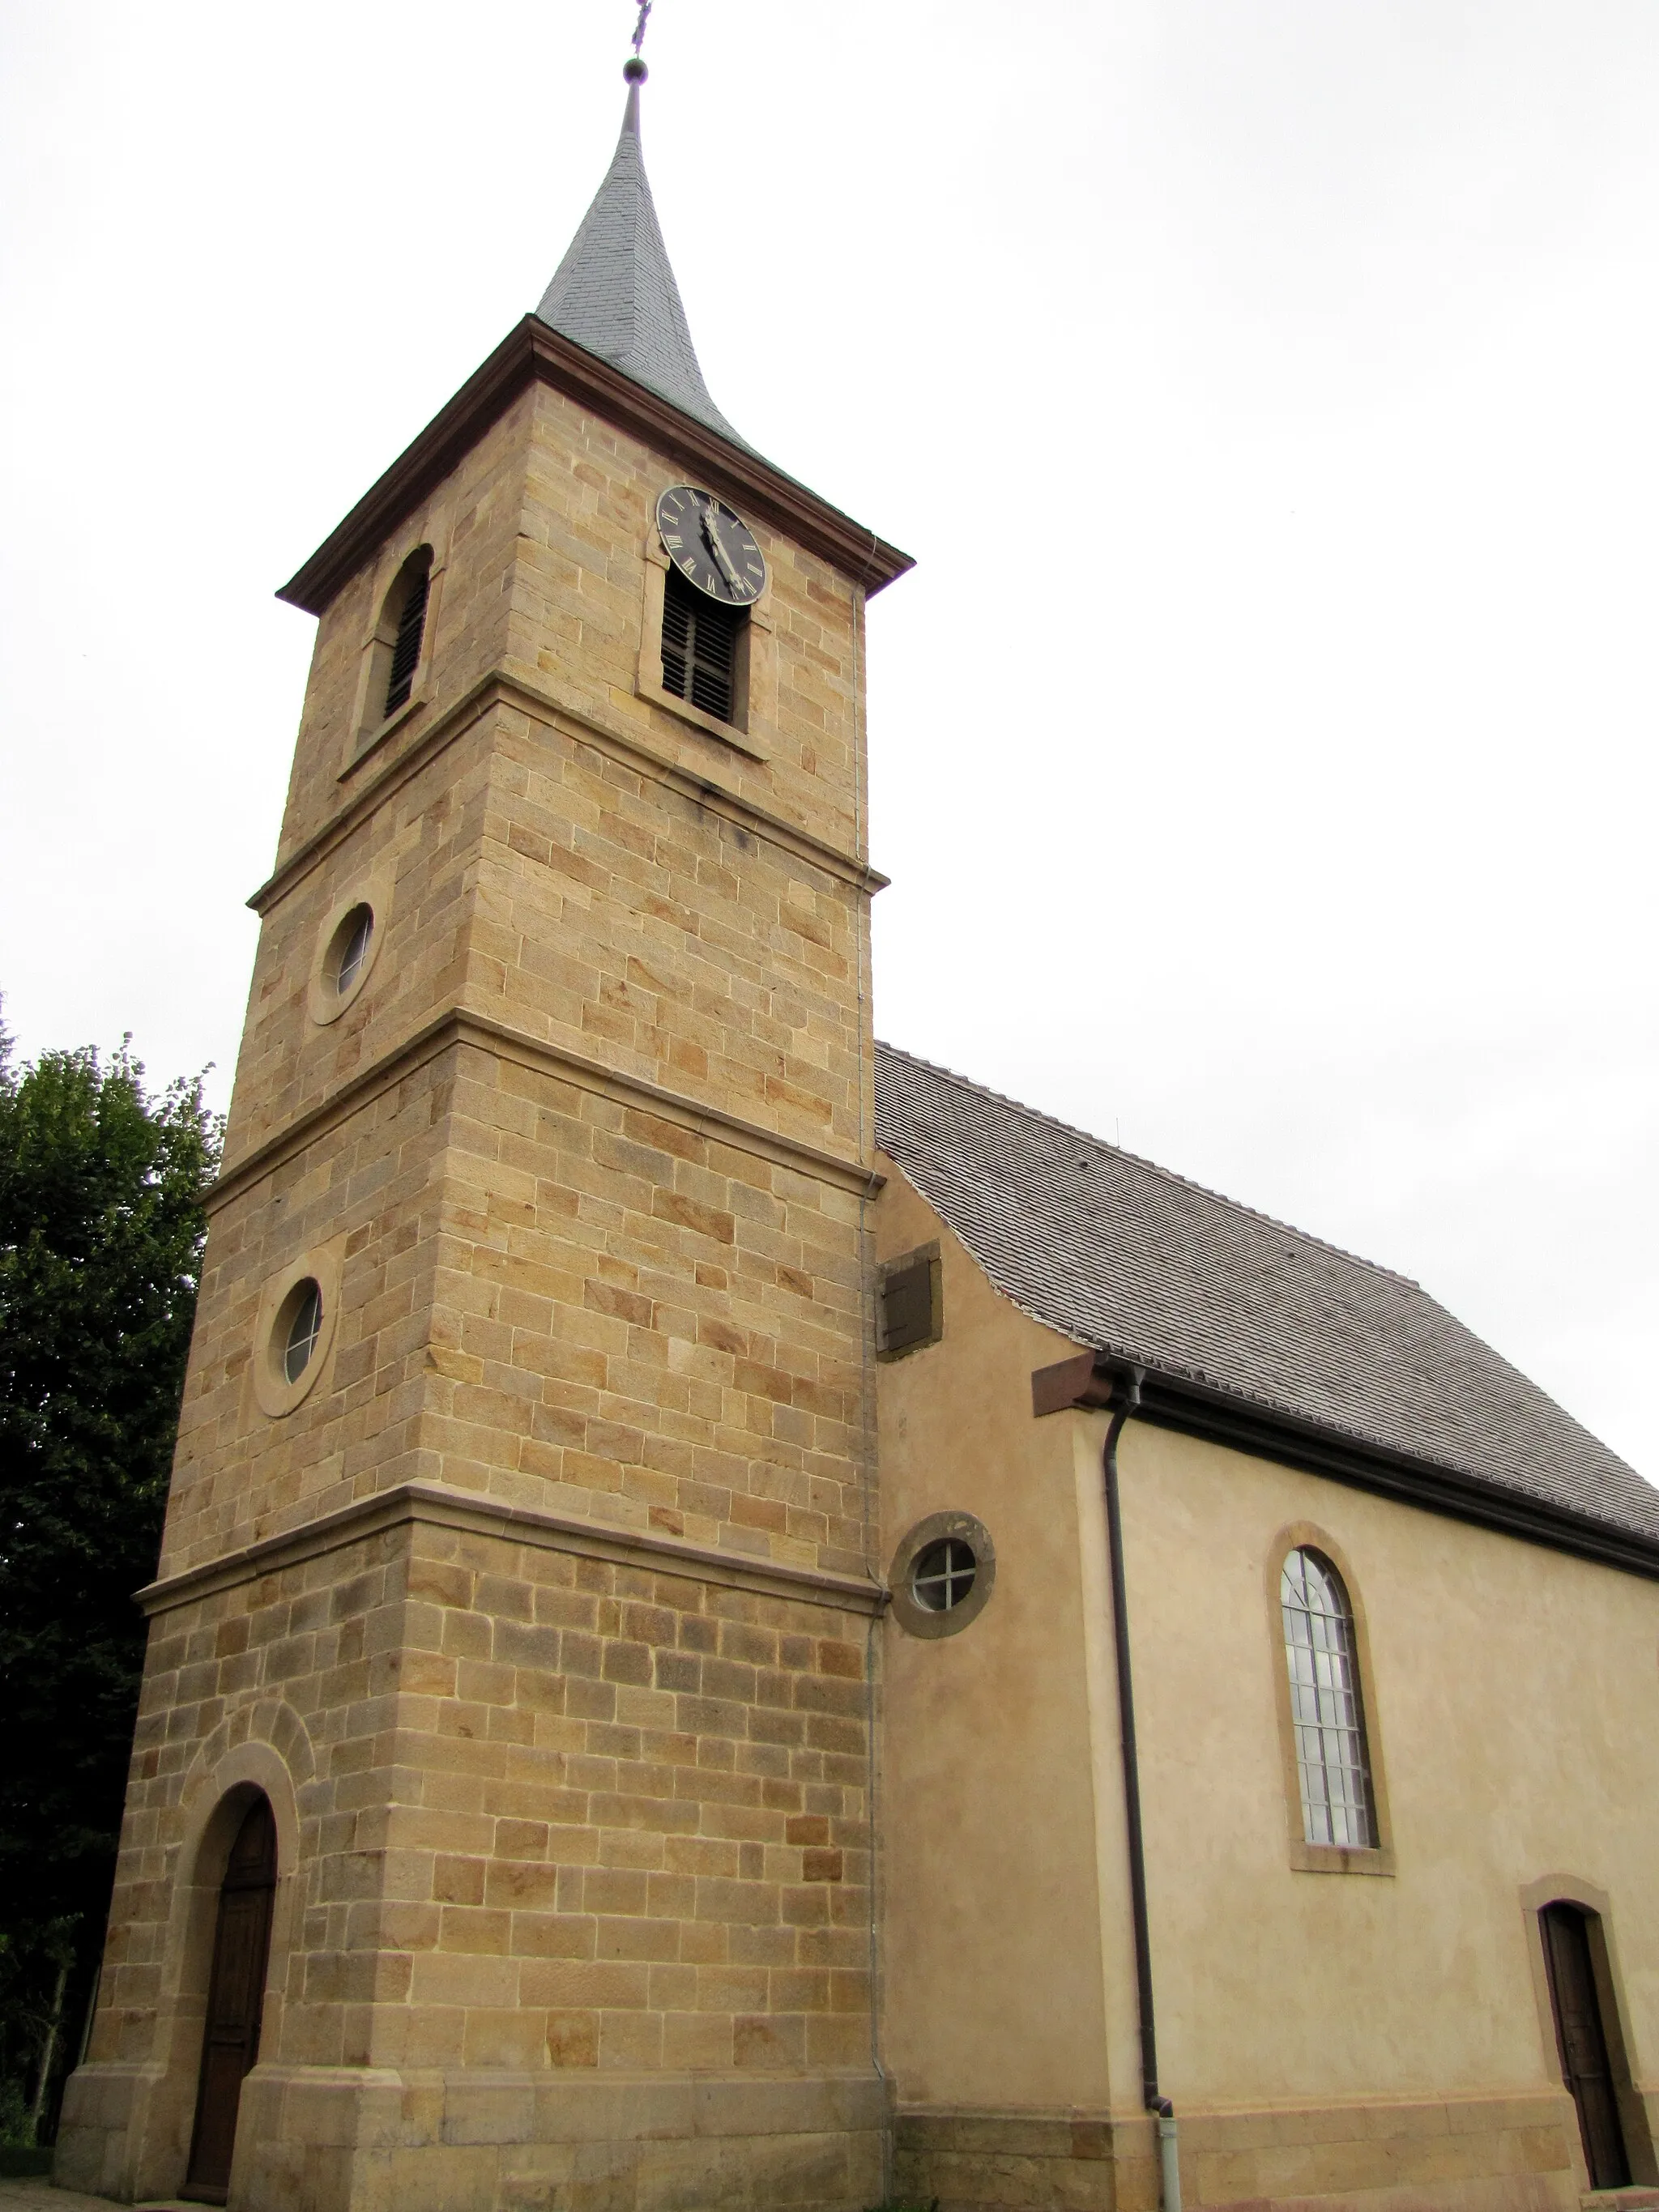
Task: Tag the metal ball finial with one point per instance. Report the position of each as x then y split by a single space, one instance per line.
635 71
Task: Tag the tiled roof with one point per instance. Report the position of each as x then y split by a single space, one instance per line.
1127 1259
614 293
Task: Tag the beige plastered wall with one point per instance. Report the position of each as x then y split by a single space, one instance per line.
995 1982
1322 2035
1517 1708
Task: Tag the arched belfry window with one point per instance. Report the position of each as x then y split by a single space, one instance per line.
1327 1714
403 625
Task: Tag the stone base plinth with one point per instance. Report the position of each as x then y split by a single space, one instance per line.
346 2139
1477 2155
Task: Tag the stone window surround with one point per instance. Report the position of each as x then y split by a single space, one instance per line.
221 1786
918 1619
369 730
1326 1858
275 1395
756 689
323 1002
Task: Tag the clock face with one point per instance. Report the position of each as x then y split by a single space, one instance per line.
711 547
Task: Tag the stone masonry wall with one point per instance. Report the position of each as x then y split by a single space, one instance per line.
623 920
570 1805
633 1834
376 1181
559 1817
590 504
639 1321
471 521
555 1296
419 850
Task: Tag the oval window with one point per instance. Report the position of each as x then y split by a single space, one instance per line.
305 1311
942 1575
352 940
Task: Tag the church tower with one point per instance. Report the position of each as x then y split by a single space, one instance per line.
499 1822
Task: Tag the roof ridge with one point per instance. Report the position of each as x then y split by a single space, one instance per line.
1139 1160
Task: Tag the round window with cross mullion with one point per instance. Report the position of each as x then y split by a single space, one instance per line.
942 1575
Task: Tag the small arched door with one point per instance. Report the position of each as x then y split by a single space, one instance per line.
1582 2036
236 1987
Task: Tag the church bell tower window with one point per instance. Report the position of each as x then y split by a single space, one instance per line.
414 582
700 648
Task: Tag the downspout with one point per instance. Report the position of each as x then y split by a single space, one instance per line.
1125 1398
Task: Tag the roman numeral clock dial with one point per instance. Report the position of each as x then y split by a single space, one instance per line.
713 548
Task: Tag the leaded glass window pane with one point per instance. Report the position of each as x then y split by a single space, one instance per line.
1331 1762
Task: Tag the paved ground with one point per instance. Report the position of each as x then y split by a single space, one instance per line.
35 2193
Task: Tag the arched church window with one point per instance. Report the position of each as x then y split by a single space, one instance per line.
1327 1716
406 610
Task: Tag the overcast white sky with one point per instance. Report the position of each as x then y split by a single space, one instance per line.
1263 751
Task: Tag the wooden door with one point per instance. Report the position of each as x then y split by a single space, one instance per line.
236 1988
1581 2034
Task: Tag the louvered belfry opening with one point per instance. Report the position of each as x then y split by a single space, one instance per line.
406 646
700 648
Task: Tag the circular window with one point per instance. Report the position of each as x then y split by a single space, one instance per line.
304 1309
942 1575
347 945
300 1309
351 950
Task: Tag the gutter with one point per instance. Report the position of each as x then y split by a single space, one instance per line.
1227 1417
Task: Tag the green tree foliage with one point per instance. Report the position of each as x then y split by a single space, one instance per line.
101 1231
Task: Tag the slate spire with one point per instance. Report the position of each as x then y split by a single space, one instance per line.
614 293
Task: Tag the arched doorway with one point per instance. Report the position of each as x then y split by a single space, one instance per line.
1582 2036
236 1987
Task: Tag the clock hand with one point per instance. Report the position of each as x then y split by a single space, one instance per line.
710 530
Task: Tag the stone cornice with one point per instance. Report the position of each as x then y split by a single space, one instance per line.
457 1026
620 744
531 353
439 1505
1094 1380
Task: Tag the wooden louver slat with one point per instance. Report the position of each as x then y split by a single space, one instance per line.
700 647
